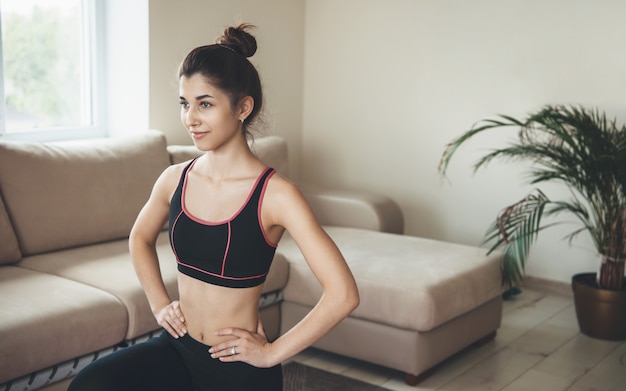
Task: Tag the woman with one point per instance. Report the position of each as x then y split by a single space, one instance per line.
227 211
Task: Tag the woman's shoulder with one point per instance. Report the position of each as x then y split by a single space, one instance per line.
169 178
282 191
174 171
279 183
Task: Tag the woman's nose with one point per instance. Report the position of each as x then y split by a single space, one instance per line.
191 120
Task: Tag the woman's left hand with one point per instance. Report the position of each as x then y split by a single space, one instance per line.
251 348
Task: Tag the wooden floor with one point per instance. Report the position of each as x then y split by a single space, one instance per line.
538 347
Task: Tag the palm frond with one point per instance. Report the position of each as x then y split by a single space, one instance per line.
575 146
452 147
514 232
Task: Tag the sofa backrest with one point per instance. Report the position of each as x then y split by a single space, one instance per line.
272 150
9 248
74 193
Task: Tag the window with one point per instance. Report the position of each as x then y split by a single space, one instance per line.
52 88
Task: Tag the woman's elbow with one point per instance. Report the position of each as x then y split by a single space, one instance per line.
345 299
352 299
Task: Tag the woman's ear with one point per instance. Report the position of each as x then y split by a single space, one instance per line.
246 105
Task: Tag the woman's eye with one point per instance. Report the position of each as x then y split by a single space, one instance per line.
184 105
205 105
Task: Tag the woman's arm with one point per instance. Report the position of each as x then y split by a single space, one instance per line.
142 244
286 207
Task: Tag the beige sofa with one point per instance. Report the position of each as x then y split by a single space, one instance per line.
69 295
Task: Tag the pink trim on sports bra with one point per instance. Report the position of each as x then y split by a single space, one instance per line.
230 233
261 198
221 275
205 222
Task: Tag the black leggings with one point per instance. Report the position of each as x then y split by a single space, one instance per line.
168 364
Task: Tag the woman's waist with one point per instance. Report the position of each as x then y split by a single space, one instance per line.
205 317
205 330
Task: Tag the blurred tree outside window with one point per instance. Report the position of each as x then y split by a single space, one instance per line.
48 57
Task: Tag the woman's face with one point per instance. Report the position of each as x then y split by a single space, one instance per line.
206 113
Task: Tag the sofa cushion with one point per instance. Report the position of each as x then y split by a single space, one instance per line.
67 194
108 267
404 281
47 319
272 150
9 249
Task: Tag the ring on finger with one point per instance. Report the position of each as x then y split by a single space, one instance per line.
233 351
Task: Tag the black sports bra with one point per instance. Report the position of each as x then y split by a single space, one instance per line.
234 253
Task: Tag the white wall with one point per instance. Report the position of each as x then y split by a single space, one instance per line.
178 27
388 83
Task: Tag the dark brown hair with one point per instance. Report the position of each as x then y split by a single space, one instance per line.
225 64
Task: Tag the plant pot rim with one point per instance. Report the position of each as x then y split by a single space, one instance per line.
588 279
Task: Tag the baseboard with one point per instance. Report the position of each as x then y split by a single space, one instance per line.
548 286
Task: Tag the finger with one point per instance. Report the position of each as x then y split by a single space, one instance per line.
224 350
173 328
175 323
180 330
170 330
177 311
229 358
179 327
236 332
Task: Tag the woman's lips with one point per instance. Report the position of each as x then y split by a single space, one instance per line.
197 135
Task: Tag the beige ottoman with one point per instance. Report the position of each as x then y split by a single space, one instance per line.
422 300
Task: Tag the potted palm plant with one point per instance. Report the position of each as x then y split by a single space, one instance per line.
579 148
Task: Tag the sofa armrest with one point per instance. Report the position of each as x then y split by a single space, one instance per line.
355 209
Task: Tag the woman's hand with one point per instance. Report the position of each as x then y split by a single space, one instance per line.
251 348
171 318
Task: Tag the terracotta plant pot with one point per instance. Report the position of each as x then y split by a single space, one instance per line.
601 313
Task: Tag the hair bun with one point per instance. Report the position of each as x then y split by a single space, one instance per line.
239 40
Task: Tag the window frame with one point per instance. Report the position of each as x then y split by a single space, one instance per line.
94 16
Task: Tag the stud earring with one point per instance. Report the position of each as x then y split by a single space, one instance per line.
242 119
